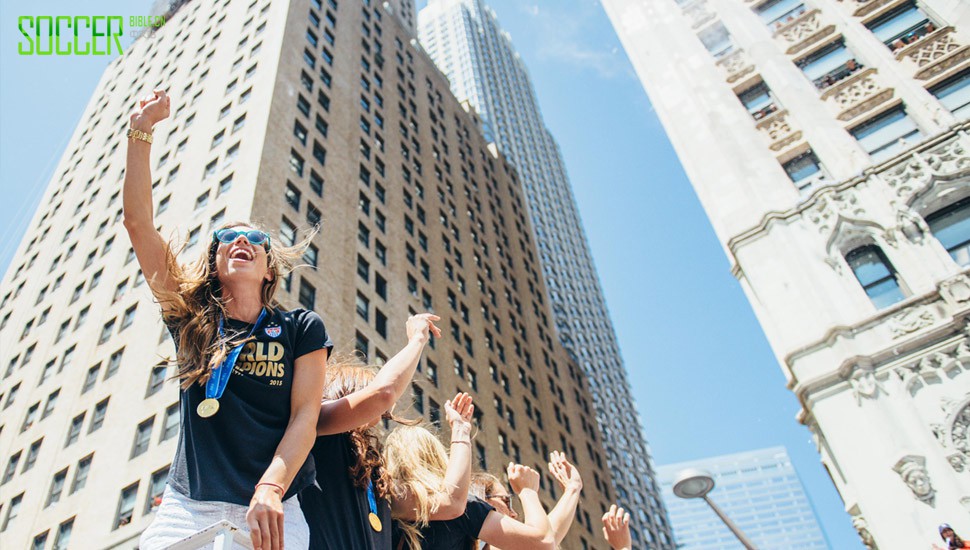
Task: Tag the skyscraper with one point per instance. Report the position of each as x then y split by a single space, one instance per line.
758 490
466 42
827 142
293 114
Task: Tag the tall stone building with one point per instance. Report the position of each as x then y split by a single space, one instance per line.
466 42
827 142
294 114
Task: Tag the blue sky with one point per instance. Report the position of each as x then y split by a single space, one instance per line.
702 373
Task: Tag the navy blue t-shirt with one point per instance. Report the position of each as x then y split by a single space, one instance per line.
453 534
335 508
221 458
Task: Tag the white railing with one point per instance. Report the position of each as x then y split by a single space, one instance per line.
223 536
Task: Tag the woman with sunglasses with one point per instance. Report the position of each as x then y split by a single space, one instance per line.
348 507
488 488
251 373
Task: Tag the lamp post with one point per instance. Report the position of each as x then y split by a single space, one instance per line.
696 483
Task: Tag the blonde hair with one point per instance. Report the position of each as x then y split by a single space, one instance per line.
416 461
195 308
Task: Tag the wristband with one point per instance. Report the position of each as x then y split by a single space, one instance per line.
138 134
453 441
277 486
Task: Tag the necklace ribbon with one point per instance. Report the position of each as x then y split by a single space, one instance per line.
216 385
375 521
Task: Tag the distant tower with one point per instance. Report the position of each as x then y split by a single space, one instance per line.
827 142
466 42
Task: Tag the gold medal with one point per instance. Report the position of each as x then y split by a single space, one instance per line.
208 408
375 522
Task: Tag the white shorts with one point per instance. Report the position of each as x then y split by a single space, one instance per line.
179 516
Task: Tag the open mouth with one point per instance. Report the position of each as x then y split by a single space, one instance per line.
241 254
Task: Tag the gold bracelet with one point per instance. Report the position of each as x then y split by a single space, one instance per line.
138 134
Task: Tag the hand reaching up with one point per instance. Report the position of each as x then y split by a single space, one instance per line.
458 412
565 473
522 477
616 528
421 327
152 108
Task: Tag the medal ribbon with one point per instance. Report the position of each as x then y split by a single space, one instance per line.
216 385
370 497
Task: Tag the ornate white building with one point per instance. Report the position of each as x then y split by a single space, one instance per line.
466 42
826 141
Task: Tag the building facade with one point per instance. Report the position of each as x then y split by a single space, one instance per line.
759 490
827 142
292 114
467 43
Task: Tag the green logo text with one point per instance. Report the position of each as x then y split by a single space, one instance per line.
70 35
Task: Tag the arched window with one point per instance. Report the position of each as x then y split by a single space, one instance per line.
876 275
951 226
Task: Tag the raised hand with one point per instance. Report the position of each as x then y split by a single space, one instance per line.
565 473
458 412
152 108
522 478
421 327
265 518
616 528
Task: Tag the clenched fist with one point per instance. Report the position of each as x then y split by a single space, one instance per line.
151 109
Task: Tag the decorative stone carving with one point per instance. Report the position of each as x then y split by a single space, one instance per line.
907 177
736 65
779 131
803 31
912 470
862 527
830 206
919 174
949 160
908 224
864 384
699 14
957 436
910 320
857 94
934 53
865 7
956 291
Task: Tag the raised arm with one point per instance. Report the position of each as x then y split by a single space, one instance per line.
458 476
368 404
534 533
150 248
562 514
616 529
265 515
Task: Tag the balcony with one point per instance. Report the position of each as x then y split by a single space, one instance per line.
934 53
838 74
779 131
802 31
910 36
736 65
857 94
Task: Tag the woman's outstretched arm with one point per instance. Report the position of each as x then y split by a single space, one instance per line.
150 248
562 514
368 404
534 533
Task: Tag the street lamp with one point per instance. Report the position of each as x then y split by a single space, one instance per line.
696 483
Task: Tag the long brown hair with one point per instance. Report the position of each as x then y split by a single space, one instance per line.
346 374
195 308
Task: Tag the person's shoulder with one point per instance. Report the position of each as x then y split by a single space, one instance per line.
300 315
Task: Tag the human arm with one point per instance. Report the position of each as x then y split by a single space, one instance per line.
265 515
367 405
534 532
616 528
149 246
451 503
562 514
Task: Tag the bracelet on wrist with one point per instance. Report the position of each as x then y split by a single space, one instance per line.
140 135
273 485
453 441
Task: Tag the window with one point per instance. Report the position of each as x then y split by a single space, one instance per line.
287 232
951 226
143 436
170 426
292 195
886 134
30 417
32 455
362 345
155 489
418 398
12 511
81 473
300 132
56 488
311 255
804 170
875 274
308 294
126 505
106 331
303 105
380 323
75 430
758 101
156 380
40 541
316 183
901 26
128 318
363 268
775 13
717 40
363 306
380 286
63 538
954 94
296 163
97 419
11 469
225 184
51 403
114 363
829 65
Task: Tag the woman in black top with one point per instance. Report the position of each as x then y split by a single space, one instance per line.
251 373
347 508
